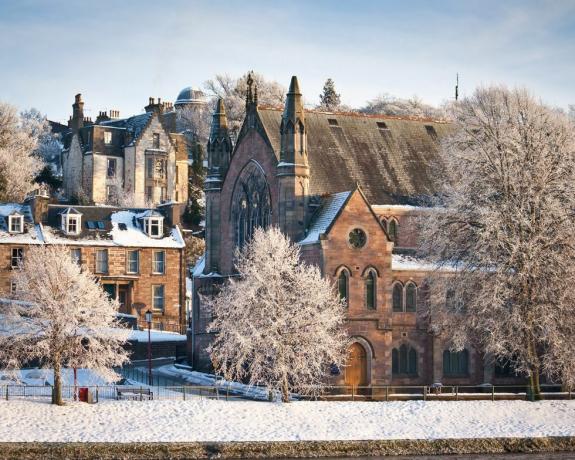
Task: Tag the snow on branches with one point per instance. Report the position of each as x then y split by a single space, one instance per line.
60 317
19 159
506 224
279 323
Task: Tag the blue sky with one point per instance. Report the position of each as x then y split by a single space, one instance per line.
118 53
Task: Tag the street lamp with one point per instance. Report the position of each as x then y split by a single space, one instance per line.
149 321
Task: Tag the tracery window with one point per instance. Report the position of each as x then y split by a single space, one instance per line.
251 204
404 361
410 297
342 285
397 297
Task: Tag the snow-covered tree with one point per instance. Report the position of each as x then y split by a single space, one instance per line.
329 99
572 111
385 104
48 144
19 163
504 232
233 90
61 317
278 324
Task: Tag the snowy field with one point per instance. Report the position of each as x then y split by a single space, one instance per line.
207 420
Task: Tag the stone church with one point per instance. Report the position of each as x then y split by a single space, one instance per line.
347 187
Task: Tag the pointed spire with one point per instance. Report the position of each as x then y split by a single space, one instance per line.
294 104
219 121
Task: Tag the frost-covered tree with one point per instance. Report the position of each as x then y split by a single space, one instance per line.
572 111
385 104
19 162
329 99
233 90
278 324
505 232
61 317
48 144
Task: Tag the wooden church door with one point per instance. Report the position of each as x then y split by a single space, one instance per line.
356 368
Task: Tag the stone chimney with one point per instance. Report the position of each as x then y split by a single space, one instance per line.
77 120
102 116
38 201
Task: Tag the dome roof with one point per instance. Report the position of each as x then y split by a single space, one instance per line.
190 95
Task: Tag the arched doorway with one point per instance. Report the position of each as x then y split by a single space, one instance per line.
356 367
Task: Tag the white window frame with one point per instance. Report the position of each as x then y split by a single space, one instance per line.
16 257
151 222
66 218
12 220
155 263
129 261
99 261
108 137
154 297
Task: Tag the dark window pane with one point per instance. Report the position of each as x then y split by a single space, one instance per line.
410 297
398 297
370 291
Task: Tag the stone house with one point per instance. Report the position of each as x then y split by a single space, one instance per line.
137 254
139 161
347 187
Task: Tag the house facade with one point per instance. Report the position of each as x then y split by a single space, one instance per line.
139 161
137 254
348 189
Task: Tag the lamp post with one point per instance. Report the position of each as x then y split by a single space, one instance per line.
149 321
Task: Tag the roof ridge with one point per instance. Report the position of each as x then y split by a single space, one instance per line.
363 115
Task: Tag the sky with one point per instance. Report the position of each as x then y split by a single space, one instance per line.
119 53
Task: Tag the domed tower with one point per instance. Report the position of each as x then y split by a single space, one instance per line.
189 105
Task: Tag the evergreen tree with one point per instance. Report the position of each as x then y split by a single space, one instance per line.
329 99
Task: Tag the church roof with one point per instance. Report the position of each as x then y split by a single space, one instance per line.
324 217
389 157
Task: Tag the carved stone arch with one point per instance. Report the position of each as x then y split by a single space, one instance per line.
369 355
339 269
370 268
250 202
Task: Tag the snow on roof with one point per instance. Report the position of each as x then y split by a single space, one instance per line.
199 267
411 263
32 234
133 235
325 216
398 207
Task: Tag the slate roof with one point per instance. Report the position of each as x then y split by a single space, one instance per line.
324 216
135 125
389 157
31 233
108 225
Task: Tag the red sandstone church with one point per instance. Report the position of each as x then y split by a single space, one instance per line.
347 188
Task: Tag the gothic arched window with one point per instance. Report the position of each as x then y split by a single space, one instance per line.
410 297
342 285
397 297
251 203
404 360
392 230
370 286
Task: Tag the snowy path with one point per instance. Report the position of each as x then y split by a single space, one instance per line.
204 420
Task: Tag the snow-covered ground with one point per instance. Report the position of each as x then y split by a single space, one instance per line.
209 420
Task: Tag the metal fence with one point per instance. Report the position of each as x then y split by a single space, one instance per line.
141 392
441 393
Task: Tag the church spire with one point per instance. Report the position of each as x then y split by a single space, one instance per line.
219 144
292 129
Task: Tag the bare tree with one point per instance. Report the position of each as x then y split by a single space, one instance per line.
233 90
280 323
61 318
19 162
386 104
505 231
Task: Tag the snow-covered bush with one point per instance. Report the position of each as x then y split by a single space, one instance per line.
279 323
60 317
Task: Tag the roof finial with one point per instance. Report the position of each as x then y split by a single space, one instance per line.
249 94
457 86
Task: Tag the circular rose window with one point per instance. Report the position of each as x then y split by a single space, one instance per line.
357 238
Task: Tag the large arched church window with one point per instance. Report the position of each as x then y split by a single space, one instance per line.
251 203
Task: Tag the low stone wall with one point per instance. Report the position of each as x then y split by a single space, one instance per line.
294 449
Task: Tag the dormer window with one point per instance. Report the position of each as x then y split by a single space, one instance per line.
153 226
107 137
16 224
71 222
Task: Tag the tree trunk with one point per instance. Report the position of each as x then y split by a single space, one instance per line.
534 385
285 390
57 390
